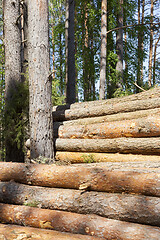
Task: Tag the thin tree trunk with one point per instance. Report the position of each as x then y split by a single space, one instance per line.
119 45
142 39
41 133
151 47
13 78
103 49
154 62
70 52
139 49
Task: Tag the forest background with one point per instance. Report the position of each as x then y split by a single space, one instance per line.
132 52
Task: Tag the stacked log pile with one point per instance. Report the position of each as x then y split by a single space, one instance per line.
86 201
93 131
114 195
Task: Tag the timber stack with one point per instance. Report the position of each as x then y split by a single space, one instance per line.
113 190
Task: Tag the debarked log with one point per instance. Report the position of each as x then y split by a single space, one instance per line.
152 93
83 157
126 207
142 127
116 145
10 232
76 223
111 118
104 177
106 109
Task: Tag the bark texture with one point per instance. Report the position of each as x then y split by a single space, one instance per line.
76 223
108 109
13 77
103 61
11 232
82 157
41 134
111 118
105 177
126 207
70 52
142 127
152 93
120 145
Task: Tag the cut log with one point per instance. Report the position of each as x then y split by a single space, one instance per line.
82 157
76 223
110 118
116 145
126 207
106 109
13 232
105 177
152 93
142 127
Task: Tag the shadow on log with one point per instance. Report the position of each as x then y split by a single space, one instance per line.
126 207
76 223
104 177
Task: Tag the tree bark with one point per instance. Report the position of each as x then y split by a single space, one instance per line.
41 134
103 62
119 45
11 232
110 118
143 178
120 145
13 78
70 53
76 223
152 93
142 127
81 157
108 109
151 47
125 207
154 61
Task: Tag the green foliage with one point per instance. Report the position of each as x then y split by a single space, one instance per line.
57 98
89 158
33 203
16 115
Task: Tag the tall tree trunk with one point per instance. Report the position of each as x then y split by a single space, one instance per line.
70 52
142 39
119 45
85 55
103 49
154 61
12 42
41 134
61 65
151 47
140 46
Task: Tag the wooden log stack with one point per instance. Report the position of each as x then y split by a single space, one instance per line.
113 190
95 131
